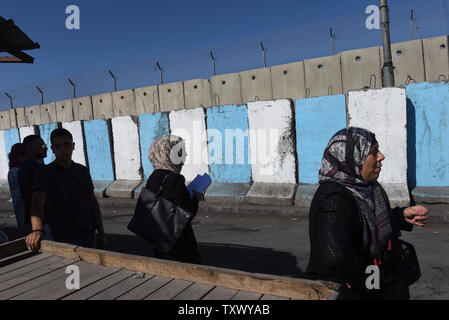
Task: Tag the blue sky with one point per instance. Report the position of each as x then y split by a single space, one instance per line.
127 37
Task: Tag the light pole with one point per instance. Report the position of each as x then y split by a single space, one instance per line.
387 68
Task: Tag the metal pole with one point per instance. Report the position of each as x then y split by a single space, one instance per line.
10 100
264 57
113 78
411 21
332 40
213 61
160 71
42 95
387 69
73 87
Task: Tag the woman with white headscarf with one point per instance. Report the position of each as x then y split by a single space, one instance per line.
167 155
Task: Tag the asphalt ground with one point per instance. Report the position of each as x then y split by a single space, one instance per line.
269 240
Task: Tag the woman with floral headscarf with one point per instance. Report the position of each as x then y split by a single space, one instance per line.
167 155
351 225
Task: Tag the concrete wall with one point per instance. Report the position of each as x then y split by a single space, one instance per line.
99 150
317 119
126 148
191 126
272 141
11 137
4 164
45 131
151 127
228 136
384 113
428 106
26 131
76 129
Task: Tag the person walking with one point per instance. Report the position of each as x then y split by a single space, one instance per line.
351 225
167 155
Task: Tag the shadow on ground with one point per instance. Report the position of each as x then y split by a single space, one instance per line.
238 257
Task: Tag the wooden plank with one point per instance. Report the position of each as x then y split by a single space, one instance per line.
13 247
271 297
195 292
22 263
17 257
146 288
246 295
35 273
27 286
28 268
121 288
99 286
220 293
170 290
57 289
239 280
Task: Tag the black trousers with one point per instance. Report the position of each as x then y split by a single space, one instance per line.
185 248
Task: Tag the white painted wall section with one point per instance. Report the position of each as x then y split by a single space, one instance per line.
191 126
76 130
272 141
384 113
126 148
26 131
4 164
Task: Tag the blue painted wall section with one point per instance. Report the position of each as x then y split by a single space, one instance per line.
99 150
226 120
151 127
11 137
317 120
45 131
429 104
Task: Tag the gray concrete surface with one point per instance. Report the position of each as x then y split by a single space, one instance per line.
266 243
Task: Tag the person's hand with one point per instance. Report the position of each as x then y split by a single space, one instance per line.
417 215
33 240
199 195
101 241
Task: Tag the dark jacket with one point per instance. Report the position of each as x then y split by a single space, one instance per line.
336 239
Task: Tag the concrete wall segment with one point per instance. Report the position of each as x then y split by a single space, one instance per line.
226 89
288 81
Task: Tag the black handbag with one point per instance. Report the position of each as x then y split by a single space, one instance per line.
407 262
158 220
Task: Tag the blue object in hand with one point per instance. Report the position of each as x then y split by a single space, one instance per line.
199 184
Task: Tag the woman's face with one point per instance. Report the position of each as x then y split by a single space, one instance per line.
372 166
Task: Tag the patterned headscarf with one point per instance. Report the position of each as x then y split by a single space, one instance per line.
166 153
342 162
17 150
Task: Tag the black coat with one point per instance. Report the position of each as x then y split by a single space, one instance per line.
185 249
336 239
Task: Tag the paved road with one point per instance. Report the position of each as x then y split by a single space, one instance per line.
273 245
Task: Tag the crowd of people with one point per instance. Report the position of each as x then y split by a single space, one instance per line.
351 223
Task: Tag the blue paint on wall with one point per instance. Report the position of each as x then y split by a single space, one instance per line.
235 163
430 103
98 148
151 127
317 120
11 137
45 131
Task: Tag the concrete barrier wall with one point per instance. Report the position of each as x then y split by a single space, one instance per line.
272 141
98 150
45 131
384 113
191 126
228 144
317 119
4 164
11 137
429 110
151 127
76 129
